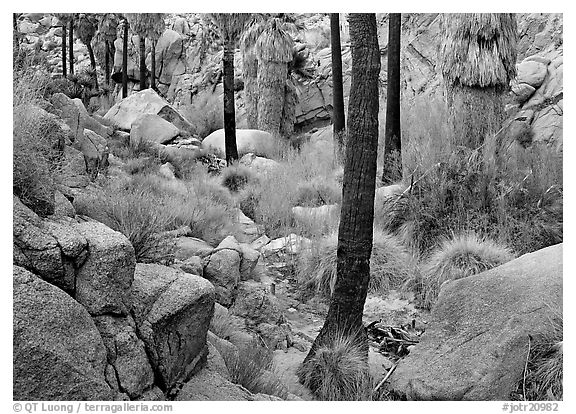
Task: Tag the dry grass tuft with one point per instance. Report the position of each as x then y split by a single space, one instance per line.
462 256
391 264
338 371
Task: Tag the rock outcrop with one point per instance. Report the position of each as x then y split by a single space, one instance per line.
476 342
58 352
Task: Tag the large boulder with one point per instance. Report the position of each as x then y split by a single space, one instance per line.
73 112
170 56
126 354
258 164
125 112
103 281
73 173
58 353
247 140
254 303
222 268
152 128
476 342
95 150
209 385
172 311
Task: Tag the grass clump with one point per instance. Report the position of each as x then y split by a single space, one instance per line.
205 113
391 264
137 211
237 177
251 366
338 371
229 327
317 193
544 371
456 258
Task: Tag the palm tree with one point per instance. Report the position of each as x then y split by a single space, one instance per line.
338 119
253 30
64 20
230 26
146 26
125 59
392 139
477 59
71 43
86 26
357 214
273 49
107 29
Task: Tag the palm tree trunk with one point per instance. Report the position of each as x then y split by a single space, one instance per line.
229 109
93 64
64 72
250 74
107 61
153 66
271 88
125 61
357 213
142 63
71 45
392 139
338 118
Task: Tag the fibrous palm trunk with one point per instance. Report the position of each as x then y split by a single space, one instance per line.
250 75
71 45
142 42
229 108
64 71
474 113
392 138
125 61
338 118
357 213
271 88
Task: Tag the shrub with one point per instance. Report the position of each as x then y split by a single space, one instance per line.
544 371
229 327
136 210
339 370
38 144
459 257
391 264
250 366
205 113
236 177
317 193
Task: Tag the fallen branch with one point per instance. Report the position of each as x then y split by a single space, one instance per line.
385 377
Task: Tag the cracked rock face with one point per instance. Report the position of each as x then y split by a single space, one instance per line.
58 352
476 343
172 311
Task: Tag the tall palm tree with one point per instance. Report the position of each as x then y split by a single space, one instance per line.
64 20
248 39
274 49
147 26
357 213
392 138
107 29
338 118
86 26
71 43
477 59
230 26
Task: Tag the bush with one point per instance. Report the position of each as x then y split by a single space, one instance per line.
544 371
391 264
236 177
250 366
317 193
38 145
459 257
229 327
338 371
137 211
205 113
